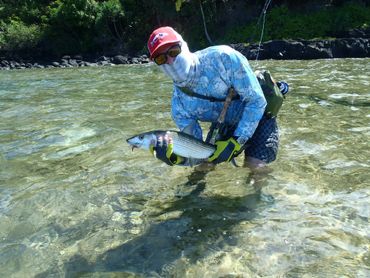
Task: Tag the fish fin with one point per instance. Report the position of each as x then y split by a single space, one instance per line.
189 129
195 161
233 162
151 149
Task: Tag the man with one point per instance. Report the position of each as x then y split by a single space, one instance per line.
201 82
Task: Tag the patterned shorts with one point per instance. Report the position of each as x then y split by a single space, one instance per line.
265 141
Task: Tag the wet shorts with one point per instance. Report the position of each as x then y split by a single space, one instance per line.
265 141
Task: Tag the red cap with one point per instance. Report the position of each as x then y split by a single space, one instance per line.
160 37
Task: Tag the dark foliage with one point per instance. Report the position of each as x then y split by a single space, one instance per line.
57 27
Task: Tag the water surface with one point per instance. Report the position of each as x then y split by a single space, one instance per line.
75 201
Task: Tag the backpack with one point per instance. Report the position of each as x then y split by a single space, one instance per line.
271 91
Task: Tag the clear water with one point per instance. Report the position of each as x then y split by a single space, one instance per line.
76 202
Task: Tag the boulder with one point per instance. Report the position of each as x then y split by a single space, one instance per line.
340 49
102 58
135 60
73 63
283 49
358 48
120 59
317 51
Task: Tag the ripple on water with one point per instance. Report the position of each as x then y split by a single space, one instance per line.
343 164
305 147
354 99
5 199
343 95
74 198
70 139
363 130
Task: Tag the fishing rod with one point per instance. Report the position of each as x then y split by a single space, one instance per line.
218 127
264 11
263 17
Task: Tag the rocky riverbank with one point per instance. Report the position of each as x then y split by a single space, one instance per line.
278 49
71 61
307 50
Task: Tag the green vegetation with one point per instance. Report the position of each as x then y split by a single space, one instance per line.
57 27
284 23
17 36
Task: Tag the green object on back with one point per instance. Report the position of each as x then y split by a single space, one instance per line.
271 91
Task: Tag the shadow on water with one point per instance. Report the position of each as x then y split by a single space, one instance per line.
204 226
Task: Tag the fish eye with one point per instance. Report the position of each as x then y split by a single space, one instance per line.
141 137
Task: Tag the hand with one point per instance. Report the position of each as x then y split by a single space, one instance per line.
164 151
225 150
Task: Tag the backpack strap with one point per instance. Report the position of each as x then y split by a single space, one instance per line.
190 93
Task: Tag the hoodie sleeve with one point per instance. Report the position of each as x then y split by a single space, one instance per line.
182 117
245 83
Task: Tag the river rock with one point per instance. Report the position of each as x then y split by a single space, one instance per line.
144 59
88 64
120 59
102 58
135 60
73 63
284 49
358 48
354 47
103 63
4 63
312 51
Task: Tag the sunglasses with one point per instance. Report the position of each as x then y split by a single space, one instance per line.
172 52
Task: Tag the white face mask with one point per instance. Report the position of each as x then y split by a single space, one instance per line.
180 70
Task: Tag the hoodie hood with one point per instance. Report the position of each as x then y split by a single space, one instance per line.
182 70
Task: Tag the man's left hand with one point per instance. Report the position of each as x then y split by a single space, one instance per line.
225 150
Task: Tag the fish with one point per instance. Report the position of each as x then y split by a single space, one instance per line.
184 144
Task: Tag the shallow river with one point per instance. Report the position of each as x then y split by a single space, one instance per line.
76 202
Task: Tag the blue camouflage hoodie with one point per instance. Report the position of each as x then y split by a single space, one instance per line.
215 70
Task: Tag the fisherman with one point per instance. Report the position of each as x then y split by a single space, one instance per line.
201 82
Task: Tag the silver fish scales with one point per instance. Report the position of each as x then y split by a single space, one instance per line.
184 144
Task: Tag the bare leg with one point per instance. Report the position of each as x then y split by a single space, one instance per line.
254 164
205 167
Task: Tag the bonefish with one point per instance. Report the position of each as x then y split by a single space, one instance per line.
184 144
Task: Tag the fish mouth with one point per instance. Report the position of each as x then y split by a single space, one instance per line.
133 146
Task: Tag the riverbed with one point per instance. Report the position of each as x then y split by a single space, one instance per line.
76 201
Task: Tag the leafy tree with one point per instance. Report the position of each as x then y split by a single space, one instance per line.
90 26
16 36
110 25
71 25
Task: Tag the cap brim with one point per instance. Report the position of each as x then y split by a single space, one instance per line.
162 45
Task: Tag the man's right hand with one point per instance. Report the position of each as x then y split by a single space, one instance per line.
164 151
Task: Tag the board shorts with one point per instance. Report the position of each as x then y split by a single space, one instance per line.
264 143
